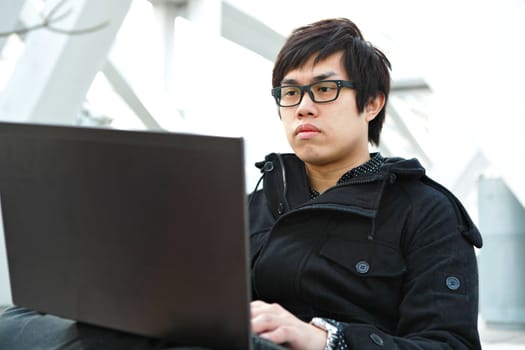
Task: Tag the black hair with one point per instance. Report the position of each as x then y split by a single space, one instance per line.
365 65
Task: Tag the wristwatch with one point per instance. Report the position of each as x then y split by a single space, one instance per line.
328 327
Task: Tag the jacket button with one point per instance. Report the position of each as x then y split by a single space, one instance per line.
453 283
392 178
362 267
377 339
280 209
268 166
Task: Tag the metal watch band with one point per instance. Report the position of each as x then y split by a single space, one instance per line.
329 328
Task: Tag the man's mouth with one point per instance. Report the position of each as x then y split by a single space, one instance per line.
306 131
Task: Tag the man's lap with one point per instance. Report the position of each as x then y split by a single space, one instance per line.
26 329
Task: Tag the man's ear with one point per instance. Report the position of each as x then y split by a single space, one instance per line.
374 106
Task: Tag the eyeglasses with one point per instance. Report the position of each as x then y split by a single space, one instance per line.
320 92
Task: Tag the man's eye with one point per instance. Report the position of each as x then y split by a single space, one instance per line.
325 88
289 92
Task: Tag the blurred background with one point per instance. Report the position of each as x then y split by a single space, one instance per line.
204 66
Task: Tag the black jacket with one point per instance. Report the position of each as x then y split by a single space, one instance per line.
390 255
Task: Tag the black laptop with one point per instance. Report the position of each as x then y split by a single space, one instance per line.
143 232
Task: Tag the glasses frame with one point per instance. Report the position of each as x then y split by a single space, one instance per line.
308 88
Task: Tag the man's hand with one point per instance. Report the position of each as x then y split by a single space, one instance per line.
273 322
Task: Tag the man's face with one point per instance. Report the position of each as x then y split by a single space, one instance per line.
332 133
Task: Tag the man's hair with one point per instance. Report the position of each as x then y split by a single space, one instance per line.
365 65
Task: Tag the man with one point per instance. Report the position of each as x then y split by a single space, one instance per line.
349 250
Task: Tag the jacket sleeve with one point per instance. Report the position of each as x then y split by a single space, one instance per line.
439 305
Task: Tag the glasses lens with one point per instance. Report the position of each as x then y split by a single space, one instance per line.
324 91
290 95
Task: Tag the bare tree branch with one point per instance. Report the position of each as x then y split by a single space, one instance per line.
48 21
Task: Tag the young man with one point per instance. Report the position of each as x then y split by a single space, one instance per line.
349 250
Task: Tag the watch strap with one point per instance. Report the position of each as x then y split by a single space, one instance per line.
332 331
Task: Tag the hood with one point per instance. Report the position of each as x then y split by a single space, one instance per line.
283 194
405 168
412 169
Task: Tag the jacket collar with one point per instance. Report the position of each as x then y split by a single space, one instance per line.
286 188
286 185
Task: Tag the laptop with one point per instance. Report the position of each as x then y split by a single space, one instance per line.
142 232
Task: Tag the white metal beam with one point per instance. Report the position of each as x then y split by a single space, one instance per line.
404 130
242 28
466 181
9 14
204 14
126 92
52 77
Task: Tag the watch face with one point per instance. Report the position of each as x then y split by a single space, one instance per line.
321 323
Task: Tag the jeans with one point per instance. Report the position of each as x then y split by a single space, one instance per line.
23 329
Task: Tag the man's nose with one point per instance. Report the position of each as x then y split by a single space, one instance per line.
307 106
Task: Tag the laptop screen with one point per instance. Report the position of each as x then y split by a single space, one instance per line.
143 232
